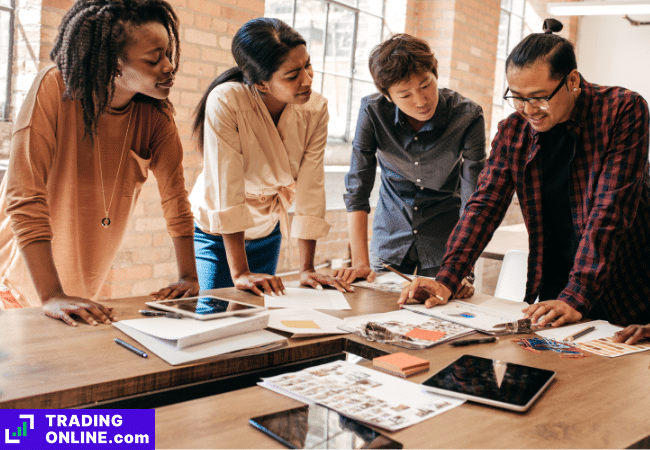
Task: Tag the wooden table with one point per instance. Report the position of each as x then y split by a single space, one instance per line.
44 363
595 402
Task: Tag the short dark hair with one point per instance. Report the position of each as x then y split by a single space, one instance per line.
558 52
398 58
259 47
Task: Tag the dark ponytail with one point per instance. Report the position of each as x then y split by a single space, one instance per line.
259 47
558 52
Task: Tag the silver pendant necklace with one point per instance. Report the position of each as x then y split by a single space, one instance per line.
106 221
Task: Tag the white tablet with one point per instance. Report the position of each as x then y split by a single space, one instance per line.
205 307
490 381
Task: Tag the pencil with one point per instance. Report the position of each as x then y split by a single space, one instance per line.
411 280
580 333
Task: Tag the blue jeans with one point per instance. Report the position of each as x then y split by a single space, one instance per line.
212 265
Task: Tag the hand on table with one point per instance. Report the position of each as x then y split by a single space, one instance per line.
184 287
426 291
260 283
355 272
63 306
632 334
317 280
553 312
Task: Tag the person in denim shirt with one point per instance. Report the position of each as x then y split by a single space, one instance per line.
430 145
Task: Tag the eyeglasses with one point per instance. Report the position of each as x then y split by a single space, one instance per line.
519 103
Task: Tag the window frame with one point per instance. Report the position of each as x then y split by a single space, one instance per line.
5 113
350 76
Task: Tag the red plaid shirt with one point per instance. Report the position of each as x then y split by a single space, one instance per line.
609 196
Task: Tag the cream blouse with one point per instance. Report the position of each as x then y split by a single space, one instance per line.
253 171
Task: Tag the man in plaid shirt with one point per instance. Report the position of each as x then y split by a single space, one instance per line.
576 154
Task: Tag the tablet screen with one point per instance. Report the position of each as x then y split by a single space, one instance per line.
205 304
314 426
492 381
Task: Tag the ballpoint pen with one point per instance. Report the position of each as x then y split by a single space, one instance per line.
128 346
171 315
411 280
579 334
473 341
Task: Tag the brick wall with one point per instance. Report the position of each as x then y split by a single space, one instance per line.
462 33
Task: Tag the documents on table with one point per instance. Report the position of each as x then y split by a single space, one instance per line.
186 332
598 341
307 298
421 330
250 341
483 317
387 282
363 394
304 322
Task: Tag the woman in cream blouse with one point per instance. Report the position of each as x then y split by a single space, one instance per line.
262 132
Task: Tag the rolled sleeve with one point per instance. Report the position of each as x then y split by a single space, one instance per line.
310 183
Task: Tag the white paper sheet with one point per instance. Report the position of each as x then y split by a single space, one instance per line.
364 394
479 317
603 329
326 324
386 282
308 298
254 342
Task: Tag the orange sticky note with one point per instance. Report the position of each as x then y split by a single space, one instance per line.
299 323
427 335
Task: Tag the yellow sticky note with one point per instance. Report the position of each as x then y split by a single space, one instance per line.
299 323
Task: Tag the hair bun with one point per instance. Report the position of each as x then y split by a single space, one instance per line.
552 26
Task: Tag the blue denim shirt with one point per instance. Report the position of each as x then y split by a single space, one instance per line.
426 177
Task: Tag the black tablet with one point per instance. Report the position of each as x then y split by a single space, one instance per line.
205 307
314 426
490 381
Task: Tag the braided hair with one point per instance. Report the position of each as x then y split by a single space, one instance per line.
92 36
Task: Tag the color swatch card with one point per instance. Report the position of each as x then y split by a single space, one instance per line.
400 364
606 347
421 331
304 322
386 282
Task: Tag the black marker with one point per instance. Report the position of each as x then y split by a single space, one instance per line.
127 346
473 341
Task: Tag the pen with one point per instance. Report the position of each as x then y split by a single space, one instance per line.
128 346
473 341
411 280
580 333
172 315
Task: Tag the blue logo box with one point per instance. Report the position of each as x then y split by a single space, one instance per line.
87 429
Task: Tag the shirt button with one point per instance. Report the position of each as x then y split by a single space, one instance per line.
415 231
421 187
416 163
415 208
418 180
263 199
415 138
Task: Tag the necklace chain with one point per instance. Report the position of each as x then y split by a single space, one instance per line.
106 221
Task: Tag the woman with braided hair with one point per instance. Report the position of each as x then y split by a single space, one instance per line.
88 133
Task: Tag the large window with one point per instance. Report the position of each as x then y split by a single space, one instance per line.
6 52
340 35
511 26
